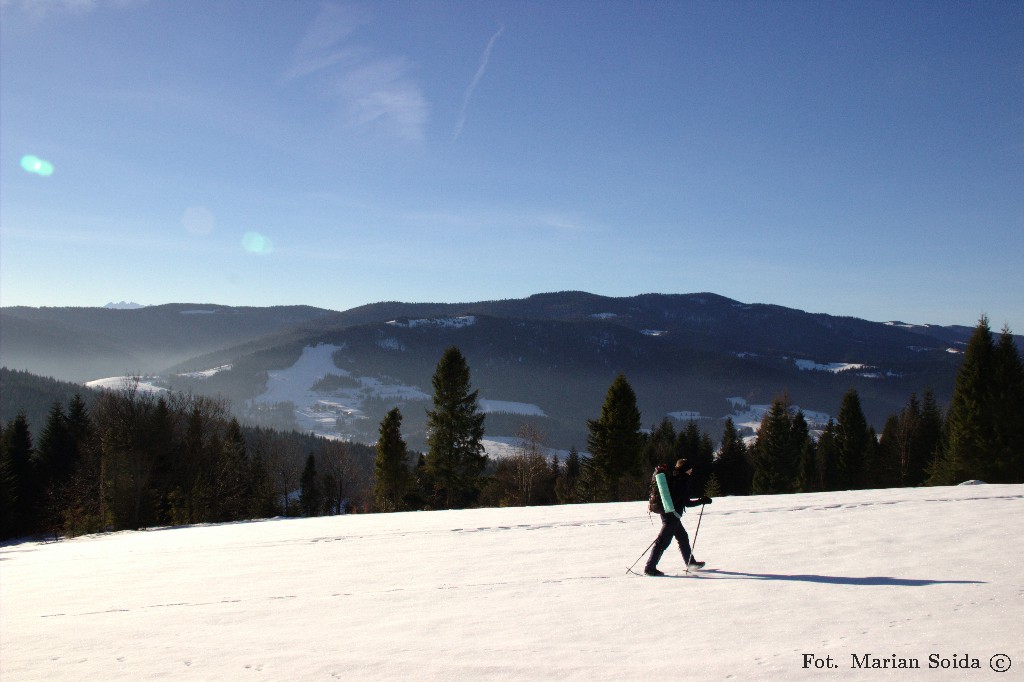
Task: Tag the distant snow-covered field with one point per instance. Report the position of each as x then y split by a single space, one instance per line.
796 587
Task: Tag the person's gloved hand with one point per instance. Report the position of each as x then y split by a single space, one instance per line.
705 500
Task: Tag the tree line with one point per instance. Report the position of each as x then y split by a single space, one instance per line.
135 459
138 459
981 436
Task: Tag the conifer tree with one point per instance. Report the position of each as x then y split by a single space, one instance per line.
20 496
455 429
615 443
660 445
931 430
852 438
565 487
233 485
774 460
801 448
970 431
699 452
1007 459
827 455
391 466
808 480
310 494
53 458
733 468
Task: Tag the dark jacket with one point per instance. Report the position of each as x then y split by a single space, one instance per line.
679 488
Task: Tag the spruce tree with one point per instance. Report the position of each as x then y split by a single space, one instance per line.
970 432
19 495
733 468
852 442
660 445
808 480
698 450
53 456
391 466
455 430
775 460
565 487
615 442
827 455
233 484
310 494
1007 459
930 440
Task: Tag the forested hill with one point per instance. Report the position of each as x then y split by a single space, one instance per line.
549 357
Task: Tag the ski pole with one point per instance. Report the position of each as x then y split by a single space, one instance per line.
630 569
693 549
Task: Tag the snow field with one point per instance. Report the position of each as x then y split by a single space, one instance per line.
530 593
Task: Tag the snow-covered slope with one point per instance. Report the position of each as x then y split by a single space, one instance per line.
535 594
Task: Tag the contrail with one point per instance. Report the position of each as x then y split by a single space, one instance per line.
476 79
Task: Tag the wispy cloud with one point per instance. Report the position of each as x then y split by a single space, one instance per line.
40 9
476 81
372 89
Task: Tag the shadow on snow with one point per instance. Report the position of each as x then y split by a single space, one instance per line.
835 580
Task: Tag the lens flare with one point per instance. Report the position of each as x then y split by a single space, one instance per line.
256 243
37 166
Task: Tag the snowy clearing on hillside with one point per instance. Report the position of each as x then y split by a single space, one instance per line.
448 322
322 412
833 367
803 587
145 385
686 416
500 447
510 407
206 373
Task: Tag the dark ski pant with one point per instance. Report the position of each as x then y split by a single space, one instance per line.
671 527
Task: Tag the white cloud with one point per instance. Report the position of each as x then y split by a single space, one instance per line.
373 90
40 9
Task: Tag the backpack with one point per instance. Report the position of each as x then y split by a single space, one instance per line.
653 494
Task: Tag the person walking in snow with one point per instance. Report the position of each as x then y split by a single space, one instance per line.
671 522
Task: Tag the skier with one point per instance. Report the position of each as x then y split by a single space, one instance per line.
671 523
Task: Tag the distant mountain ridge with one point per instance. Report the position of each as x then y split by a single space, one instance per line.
547 359
79 344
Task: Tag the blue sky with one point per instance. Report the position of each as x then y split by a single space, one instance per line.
855 158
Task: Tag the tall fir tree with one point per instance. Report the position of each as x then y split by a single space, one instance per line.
566 485
970 428
232 485
775 457
827 456
698 450
19 495
853 439
660 444
808 480
310 496
733 468
455 429
1007 464
391 465
615 444
53 456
